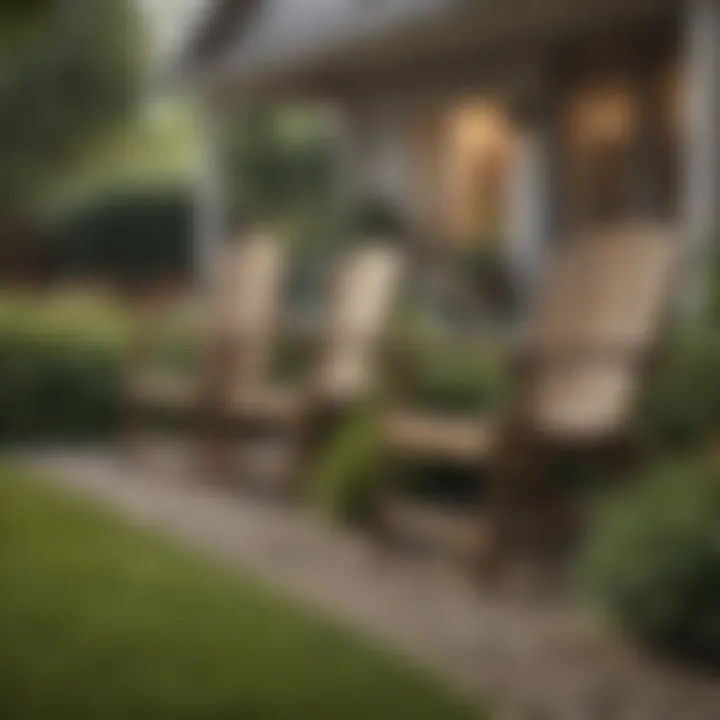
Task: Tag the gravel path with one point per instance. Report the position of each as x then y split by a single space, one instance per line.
532 659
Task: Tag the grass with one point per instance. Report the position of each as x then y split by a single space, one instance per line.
99 619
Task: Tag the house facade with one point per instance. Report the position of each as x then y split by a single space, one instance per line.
519 122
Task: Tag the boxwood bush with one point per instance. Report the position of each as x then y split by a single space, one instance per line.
60 371
130 236
653 559
681 407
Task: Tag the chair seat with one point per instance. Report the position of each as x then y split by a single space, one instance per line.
584 404
269 403
164 390
458 439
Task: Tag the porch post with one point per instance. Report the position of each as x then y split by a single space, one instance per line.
211 212
701 206
355 155
426 133
647 196
531 196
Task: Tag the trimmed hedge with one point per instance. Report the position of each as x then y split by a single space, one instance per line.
53 390
653 559
60 370
128 236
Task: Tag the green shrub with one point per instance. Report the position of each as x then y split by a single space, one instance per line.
57 387
682 403
129 236
653 559
62 361
461 380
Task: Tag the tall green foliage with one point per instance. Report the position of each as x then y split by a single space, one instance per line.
20 16
74 75
281 163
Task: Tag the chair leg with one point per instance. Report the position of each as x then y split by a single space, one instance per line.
515 467
497 548
235 465
378 525
205 437
130 433
384 536
302 445
309 434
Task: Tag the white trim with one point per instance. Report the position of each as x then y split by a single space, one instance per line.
211 212
531 194
702 169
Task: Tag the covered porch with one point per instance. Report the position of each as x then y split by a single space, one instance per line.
520 125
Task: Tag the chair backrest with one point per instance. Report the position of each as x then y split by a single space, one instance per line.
365 292
601 312
248 303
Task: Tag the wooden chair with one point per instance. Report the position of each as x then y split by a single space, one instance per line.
345 357
238 323
577 376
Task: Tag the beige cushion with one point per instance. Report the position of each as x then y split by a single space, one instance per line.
584 402
601 312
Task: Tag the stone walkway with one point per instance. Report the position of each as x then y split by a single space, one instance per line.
531 659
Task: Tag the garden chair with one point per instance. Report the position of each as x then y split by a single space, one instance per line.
576 378
238 323
345 354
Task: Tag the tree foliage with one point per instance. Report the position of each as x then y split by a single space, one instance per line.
16 13
653 558
73 76
280 162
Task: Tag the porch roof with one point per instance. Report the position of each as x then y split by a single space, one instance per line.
258 45
251 42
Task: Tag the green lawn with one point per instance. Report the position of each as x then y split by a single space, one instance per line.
101 620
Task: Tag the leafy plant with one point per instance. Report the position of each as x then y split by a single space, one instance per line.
348 470
653 559
62 364
76 76
58 388
461 380
681 407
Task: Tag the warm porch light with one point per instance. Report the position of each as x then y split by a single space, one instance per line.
602 116
479 146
